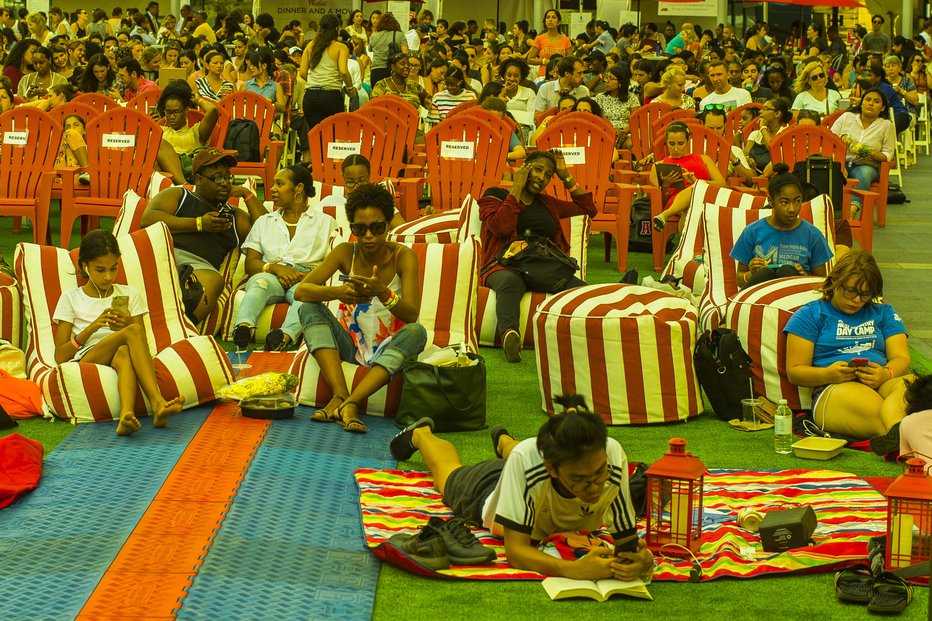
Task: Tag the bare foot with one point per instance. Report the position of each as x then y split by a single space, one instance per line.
160 414
128 424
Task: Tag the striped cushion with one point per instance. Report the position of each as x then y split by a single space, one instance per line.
448 274
759 314
444 227
577 233
721 229
682 263
127 220
627 349
11 311
186 363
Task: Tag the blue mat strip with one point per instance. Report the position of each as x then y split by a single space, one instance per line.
292 546
57 542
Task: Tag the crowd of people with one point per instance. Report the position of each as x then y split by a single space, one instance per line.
312 71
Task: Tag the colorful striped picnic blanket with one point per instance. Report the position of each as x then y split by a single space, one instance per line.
849 511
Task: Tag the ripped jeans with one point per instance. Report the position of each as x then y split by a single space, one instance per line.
263 289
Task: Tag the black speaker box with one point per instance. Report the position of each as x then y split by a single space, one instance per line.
787 529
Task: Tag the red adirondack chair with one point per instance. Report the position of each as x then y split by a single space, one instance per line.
492 118
145 100
99 102
31 139
392 165
410 118
465 155
732 118
255 107
463 106
61 112
795 144
642 122
596 137
702 141
540 116
121 147
339 136
678 114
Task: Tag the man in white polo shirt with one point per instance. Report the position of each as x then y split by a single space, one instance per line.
570 81
723 92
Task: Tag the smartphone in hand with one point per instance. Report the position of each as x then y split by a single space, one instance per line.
857 362
120 304
627 544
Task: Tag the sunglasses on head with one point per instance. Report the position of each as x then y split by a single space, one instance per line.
715 106
377 228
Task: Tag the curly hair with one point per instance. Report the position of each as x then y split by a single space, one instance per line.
176 89
370 196
514 62
919 394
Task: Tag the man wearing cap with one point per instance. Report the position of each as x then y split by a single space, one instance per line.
204 228
570 71
593 77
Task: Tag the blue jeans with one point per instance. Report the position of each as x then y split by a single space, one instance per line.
865 175
263 289
323 331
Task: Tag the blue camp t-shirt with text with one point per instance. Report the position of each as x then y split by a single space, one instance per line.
804 245
840 336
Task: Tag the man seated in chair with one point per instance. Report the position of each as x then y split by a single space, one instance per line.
204 228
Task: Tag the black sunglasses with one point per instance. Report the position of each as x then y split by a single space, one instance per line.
359 228
816 76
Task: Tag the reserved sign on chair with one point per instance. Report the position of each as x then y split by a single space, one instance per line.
118 141
456 150
15 138
342 150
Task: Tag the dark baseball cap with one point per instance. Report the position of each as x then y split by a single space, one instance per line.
212 155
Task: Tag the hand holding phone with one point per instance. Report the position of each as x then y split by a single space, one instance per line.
627 544
120 304
858 362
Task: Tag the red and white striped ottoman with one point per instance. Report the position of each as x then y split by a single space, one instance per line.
759 314
627 349
11 311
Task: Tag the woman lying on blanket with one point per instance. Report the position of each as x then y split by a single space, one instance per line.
380 301
101 323
852 351
782 244
677 187
281 248
572 477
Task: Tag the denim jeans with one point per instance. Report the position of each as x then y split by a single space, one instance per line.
323 331
865 175
263 289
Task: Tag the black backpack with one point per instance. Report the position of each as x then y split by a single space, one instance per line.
243 137
822 175
641 230
724 371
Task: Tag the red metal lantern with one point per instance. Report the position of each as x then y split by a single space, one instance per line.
909 517
674 512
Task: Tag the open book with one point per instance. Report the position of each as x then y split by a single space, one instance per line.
599 590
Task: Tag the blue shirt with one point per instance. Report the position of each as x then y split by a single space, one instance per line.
840 336
268 91
604 42
804 245
675 42
893 98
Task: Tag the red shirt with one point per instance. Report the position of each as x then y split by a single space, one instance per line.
141 85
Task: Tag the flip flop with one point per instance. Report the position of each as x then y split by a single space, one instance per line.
323 416
854 584
891 594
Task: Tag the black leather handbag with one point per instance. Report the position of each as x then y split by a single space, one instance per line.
544 267
453 397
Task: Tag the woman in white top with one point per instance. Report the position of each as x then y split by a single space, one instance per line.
101 322
38 30
379 296
813 93
520 99
281 248
324 64
355 27
870 136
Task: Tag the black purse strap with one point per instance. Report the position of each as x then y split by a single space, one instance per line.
444 392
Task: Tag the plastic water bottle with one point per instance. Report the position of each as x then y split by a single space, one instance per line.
783 429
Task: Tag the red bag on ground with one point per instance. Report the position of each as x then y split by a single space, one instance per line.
20 398
20 466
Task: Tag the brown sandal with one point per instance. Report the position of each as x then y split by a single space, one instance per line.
352 425
323 416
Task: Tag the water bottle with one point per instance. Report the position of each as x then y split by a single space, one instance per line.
783 429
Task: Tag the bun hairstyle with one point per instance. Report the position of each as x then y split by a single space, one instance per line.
782 178
572 434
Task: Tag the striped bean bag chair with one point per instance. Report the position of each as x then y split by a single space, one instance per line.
627 349
577 232
683 263
11 311
186 363
759 314
445 227
448 277
721 228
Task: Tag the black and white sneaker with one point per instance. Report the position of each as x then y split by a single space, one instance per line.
887 443
401 446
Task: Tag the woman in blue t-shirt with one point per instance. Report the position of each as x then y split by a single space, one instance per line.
852 351
782 244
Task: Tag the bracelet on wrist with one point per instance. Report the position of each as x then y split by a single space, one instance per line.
75 343
199 223
392 301
887 367
573 189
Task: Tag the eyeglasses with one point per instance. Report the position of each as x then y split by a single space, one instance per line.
376 228
220 179
173 112
349 181
851 293
816 76
877 21
581 485
715 106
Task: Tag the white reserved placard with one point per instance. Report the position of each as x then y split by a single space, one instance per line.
455 150
15 138
342 150
573 155
118 141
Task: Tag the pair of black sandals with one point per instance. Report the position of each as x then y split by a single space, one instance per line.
883 591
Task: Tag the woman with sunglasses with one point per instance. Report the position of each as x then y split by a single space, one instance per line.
509 215
379 303
813 93
281 248
851 349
